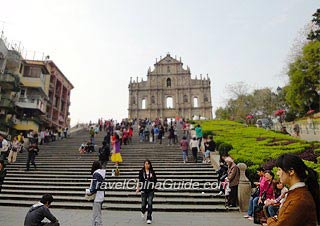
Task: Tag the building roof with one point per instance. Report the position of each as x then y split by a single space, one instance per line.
168 60
55 66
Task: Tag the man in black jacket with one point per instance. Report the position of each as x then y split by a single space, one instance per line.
3 173
39 211
104 154
33 150
210 146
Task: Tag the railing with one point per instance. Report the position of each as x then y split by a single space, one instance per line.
37 103
309 130
6 102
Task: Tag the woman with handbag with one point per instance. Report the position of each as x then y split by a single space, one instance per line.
16 146
301 204
266 192
255 196
98 176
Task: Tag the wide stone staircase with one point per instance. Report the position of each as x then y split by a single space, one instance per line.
65 173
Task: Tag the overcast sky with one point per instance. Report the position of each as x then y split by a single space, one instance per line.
100 44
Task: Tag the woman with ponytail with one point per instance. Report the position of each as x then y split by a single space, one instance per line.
301 204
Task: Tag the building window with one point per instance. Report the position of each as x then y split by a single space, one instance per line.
22 93
56 102
143 103
168 69
195 102
133 100
206 98
168 82
62 106
153 101
169 102
185 99
21 67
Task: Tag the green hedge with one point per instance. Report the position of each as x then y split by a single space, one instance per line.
256 146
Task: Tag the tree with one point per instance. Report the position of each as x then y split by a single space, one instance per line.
261 103
304 78
315 31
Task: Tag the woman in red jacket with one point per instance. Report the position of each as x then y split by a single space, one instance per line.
266 189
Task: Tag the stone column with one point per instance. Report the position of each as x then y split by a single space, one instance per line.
244 189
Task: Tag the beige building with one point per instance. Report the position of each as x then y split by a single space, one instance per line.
33 97
170 92
34 94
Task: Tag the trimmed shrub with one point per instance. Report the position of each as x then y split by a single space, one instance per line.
206 133
218 143
192 122
224 148
258 147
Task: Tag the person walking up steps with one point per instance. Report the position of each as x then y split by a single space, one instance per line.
146 184
184 148
198 130
116 156
104 154
194 145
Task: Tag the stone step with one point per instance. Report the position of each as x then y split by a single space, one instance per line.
122 177
126 207
82 188
115 193
87 182
128 168
65 173
129 200
123 173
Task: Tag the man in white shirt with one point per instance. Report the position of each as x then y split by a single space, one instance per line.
4 146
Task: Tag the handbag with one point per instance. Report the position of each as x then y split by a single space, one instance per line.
88 196
264 194
258 215
256 192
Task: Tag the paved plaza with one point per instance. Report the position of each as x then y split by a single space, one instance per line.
14 216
